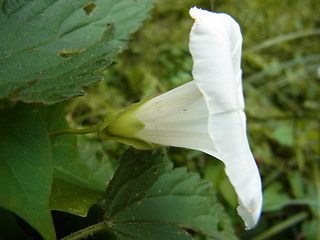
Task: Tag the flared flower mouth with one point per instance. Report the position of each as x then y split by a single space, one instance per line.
206 114
215 45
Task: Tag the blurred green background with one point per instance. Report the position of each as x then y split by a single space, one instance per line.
281 78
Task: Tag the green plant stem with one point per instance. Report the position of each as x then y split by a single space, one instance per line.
92 129
212 5
317 183
282 38
83 233
282 226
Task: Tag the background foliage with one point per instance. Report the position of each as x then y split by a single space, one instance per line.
281 83
281 72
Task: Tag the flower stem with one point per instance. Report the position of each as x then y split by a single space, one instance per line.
92 129
212 5
83 233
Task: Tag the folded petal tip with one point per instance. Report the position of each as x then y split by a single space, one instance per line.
196 12
216 20
251 214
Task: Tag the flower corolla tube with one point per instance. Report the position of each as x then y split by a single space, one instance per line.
206 114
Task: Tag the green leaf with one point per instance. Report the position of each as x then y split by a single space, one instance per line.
98 159
310 229
275 198
49 49
79 181
214 172
147 199
284 135
26 167
296 184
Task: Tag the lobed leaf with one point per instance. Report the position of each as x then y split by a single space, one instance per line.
147 199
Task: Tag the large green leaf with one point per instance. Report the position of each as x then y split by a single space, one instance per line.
79 181
50 48
26 167
146 199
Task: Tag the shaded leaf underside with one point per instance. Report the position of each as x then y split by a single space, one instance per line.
79 181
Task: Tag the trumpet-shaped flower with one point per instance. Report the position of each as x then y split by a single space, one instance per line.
205 114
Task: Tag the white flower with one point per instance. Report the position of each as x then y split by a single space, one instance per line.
205 114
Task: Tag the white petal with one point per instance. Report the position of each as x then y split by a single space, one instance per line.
177 118
215 45
212 51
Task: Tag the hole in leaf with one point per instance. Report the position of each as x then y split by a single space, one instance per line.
89 7
69 53
99 156
155 170
220 226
